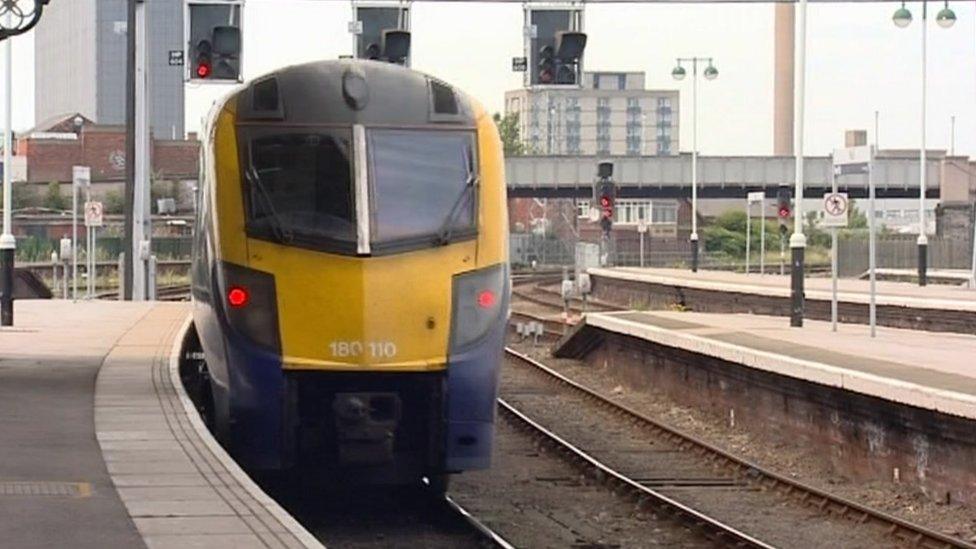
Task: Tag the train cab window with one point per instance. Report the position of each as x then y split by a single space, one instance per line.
299 186
423 186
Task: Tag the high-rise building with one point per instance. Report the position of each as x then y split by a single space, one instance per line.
80 63
609 114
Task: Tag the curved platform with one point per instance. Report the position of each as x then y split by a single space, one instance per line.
103 448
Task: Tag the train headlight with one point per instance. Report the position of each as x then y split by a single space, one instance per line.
477 305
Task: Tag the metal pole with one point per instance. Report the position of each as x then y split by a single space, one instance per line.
833 256
923 239
642 249
126 276
74 239
952 135
8 243
748 232
142 222
762 236
798 241
872 244
877 141
694 165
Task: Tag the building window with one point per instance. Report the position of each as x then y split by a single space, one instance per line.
621 81
664 146
583 209
664 212
630 212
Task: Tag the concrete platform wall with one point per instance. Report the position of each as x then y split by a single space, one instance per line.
866 437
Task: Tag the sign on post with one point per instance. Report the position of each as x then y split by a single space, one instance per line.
757 196
93 214
176 58
519 64
81 176
835 209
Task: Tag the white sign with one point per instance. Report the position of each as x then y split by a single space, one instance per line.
93 214
757 196
81 176
835 208
642 226
852 155
355 27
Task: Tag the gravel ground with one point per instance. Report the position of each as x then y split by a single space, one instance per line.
782 456
535 500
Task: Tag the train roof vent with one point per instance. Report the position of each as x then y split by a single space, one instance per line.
265 95
443 98
265 101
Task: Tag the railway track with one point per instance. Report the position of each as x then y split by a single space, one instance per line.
174 292
637 453
364 517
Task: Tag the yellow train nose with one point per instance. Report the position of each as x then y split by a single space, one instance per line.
378 313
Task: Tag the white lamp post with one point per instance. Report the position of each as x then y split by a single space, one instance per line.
710 73
945 19
16 17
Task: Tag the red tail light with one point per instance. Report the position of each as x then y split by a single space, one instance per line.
238 297
486 299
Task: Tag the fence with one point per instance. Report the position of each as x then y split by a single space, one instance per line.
901 252
34 249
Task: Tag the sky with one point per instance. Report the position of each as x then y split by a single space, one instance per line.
858 62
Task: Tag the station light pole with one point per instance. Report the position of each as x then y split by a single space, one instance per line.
798 242
16 17
902 18
710 73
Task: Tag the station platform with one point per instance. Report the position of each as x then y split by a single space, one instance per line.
949 308
932 371
101 446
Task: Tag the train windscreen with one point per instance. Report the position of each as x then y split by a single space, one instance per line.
423 185
299 186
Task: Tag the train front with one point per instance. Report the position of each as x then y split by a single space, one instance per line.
359 273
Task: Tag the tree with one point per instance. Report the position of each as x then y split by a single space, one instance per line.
508 130
53 198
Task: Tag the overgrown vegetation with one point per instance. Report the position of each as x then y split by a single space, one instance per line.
508 130
53 198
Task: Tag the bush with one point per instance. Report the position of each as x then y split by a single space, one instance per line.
53 198
114 202
23 195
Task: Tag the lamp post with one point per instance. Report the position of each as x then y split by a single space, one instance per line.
945 19
710 73
798 241
16 17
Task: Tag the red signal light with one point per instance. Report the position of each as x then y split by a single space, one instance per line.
203 69
605 201
486 299
238 297
784 212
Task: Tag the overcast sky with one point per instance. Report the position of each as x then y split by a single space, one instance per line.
858 62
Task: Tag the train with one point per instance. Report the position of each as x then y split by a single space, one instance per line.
350 278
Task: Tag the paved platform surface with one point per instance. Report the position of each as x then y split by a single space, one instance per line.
101 449
929 370
855 291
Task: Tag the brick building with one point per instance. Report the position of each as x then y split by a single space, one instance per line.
51 149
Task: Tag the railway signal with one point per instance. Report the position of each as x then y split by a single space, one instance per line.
214 41
381 33
784 208
555 42
606 195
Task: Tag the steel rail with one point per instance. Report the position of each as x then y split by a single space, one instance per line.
910 533
646 497
481 528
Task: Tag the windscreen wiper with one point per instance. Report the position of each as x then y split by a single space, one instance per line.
447 228
277 227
